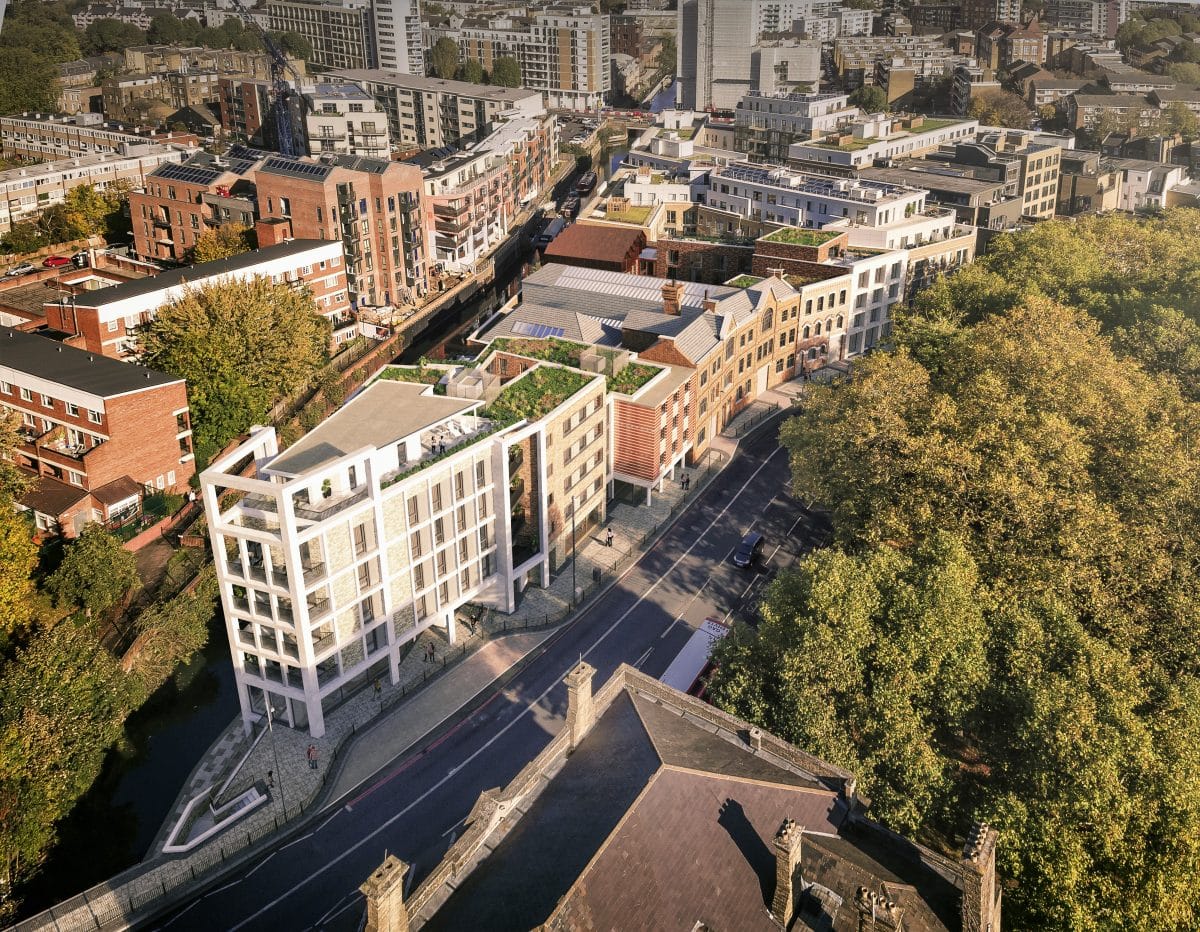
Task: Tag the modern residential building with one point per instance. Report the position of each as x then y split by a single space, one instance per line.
471 197
967 82
977 202
828 25
603 825
856 58
1027 164
341 32
95 432
429 113
1087 111
714 42
765 126
28 191
345 119
398 45
105 321
245 106
563 51
881 136
785 66
157 59
373 206
49 136
397 510
1087 184
1144 184
978 13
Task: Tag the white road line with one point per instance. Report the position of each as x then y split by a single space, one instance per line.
496 737
642 659
679 617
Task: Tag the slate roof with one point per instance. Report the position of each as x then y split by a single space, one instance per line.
51 497
661 821
75 368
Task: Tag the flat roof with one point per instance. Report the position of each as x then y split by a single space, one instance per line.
382 414
196 273
75 368
421 83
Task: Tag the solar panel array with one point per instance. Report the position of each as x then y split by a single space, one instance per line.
281 165
537 331
193 174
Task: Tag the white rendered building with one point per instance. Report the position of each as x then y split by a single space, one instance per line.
398 45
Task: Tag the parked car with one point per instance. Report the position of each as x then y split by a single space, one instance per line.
80 259
23 269
749 550
55 262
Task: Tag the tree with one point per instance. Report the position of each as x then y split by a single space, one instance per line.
1185 72
506 72
27 81
166 29
47 40
999 108
221 243
242 346
63 702
90 211
111 35
294 44
96 572
1178 118
668 55
870 98
1001 630
18 554
471 71
445 58
23 237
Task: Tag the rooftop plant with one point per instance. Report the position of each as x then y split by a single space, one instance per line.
536 393
632 377
745 281
801 237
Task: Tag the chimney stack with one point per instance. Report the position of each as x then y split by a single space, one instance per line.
384 891
981 899
580 713
672 293
708 304
787 857
877 912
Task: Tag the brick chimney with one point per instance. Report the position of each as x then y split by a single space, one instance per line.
384 891
580 713
877 912
787 857
672 293
272 232
709 305
981 898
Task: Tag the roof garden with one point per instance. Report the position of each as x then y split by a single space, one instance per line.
846 145
929 125
631 214
420 374
687 133
744 281
568 353
796 236
535 394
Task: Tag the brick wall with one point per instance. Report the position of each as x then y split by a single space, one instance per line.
143 442
699 261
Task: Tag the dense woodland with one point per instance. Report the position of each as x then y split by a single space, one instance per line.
1004 627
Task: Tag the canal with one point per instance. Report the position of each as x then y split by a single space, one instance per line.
165 738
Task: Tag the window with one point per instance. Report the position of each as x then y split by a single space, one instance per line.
47 401
414 510
439 531
26 395
94 416
480 473
418 577
441 562
414 544
437 497
5 388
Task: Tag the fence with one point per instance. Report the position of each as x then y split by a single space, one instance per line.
739 428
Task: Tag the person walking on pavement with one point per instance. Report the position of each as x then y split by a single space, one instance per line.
608 539
312 757
271 779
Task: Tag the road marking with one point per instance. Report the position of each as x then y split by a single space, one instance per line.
642 658
500 734
679 617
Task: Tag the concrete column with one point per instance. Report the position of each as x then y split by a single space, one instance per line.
384 891
787 857
451 626
580 712
649 489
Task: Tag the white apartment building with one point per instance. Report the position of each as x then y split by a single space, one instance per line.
842 21
883 137
429 113
49 136
344 118
398 44
714 41
766 125
776 195
383 521
26 192
782 67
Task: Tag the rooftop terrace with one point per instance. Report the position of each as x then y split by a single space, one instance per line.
799 237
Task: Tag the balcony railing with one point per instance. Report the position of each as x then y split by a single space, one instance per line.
320 510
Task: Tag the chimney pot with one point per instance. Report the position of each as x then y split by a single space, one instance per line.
756 738
384 892
787 857
672 293
581 714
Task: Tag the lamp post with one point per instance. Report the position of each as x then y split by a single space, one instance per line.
574 552
275 752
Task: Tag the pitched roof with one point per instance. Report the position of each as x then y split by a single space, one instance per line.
604 241
75 368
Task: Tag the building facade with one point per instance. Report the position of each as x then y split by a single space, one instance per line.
341 32
345 119
95 433
48 137
398 45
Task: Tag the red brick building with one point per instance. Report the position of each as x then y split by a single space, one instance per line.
599 246
97 433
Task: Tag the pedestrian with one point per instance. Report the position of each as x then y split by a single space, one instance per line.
312 757
271 779
378 687
608 538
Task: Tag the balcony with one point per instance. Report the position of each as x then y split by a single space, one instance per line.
257 573
320 510
318 608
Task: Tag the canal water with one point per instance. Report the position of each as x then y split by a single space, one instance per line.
112 826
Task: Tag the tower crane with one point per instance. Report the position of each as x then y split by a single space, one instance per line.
282 92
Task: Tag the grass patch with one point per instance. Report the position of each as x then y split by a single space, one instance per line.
535 394
744 281
850 145
563 352
679 133
637 215
632 377
797 236
930 125
417 374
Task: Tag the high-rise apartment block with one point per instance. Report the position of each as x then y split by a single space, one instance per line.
429 113
398 43
341 31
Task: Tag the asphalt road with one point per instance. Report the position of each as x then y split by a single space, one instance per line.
415 807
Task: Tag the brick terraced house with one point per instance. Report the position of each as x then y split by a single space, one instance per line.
97 433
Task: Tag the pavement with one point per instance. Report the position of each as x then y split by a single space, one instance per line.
412 801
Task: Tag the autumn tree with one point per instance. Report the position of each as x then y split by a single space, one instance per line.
18 554
96 572
1004 627
242 346
221 242
1179 118
445 58
506 72
999 108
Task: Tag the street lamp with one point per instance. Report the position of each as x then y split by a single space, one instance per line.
574 552
275 752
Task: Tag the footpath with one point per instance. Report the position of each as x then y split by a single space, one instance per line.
436 682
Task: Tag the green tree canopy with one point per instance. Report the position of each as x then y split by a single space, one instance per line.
167 29
1004 628
1185 72
221 242
96 572
506 72
870 98
18 554
445 58
999 108
294 44
242 346
470 70
28 81
111 35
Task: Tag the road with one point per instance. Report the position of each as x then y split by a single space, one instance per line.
415 808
